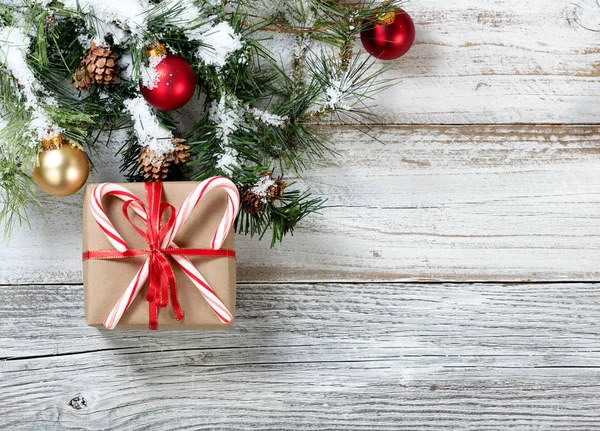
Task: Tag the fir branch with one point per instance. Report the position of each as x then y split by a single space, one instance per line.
17 196
268 117
15 136
279 216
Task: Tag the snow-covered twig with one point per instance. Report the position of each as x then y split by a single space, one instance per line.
147 128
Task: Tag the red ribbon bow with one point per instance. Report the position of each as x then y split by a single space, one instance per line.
161 278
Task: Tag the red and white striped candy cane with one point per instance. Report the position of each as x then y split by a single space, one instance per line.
233 203
195 197
98 211
119 243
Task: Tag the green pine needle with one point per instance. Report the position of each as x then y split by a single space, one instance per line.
297 93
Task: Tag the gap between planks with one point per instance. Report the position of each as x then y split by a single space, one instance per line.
355 282
131 351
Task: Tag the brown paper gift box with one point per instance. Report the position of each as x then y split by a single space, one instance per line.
106 280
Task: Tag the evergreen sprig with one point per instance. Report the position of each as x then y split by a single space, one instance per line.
274 105
18 196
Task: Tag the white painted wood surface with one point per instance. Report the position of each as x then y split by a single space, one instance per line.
447 190
498 61
466 203
319 356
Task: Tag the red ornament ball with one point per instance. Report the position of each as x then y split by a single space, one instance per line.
389 35
175 87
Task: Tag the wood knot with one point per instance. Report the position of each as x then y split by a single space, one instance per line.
78 403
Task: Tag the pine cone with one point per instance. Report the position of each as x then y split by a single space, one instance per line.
276 190
154 168
181 153
251 202
101 66
81 80
158 168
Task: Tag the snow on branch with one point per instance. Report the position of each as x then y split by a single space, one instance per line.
13 51
147 128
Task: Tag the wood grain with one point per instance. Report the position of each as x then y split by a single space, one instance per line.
482 187
497 61
316 356
466 203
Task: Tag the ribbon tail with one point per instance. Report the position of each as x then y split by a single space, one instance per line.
128 296
175 303
206 291
152 316
170 288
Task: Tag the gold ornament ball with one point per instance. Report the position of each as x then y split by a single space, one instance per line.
61 171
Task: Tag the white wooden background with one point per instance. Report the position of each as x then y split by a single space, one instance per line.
450 285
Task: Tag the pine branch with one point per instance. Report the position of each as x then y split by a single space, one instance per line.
270 108
17 196
279 216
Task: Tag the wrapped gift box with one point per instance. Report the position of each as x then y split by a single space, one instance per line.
105 281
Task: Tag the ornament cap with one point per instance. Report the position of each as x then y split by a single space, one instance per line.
156 50
386 18
52 142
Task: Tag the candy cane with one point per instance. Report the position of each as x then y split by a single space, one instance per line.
98 211
195 197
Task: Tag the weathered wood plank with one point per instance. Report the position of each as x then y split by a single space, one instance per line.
425 202
498 61
544 324
313 356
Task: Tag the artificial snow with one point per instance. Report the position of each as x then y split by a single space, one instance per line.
13 48
41 126
126 63
147 128
268 118
261 188
188 11
85 40
221 41
227 116
13 51
227 160
190 19
115 15
149 75
335 94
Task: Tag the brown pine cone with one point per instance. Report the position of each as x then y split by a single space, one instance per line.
251 202
154 168
158 168
81 80
276 190
181 153
101 65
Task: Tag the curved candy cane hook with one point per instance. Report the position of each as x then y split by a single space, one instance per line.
105 224
233 204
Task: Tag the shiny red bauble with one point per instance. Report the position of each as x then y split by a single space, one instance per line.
389 36
175 87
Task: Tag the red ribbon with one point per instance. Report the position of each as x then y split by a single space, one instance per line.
161 278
